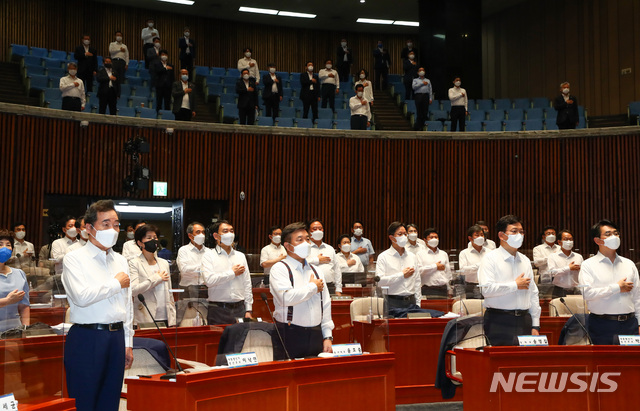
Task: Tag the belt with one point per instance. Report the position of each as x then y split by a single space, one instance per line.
103 327
402 297
515 313
615 317
228 305
71 97
358 115
117 58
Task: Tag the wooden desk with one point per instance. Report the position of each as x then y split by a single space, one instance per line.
355 383
194 343
480 368
50 316
60 404
440 305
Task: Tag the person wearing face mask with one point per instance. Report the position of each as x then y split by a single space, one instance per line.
187 47
361 246
247 91
150 277
433 267
184 105
398 270
83 238
250 64
323 257
72 88
153 56
87 58
309 93
119 57
360 110
344 60
130 249
488 243
272 252
23 251
302 302
330 85
60 247
108 88
347 261
408 50
471 258
410 68
542 252
226 274
14 288
566 105
611 291
415 243
510 293
423 94
381 65
459 105
272 93
149 33
162 70
363 78
96 281
189 260
564 266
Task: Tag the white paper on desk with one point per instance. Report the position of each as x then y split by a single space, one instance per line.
61 327
450 315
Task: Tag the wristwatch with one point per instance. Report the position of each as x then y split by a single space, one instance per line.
329 338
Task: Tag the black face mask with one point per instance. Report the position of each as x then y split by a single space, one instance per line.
151 246
108 65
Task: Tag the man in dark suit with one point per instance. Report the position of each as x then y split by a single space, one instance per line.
567 107
108 88
184 103
310 91
272 93
153 54
247 98
87 59
382 61
410 67
164 77
187 50
344 61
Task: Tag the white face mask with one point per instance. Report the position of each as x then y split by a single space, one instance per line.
86 42
329 66
107 238
20 234
411 57
245 76
309 68
421 73
84 234
156 45
401 240
433 243
276 239
357 232
198 239
515 240
412 236
118 39
72 232
479 241
565 91
359 94
247 54
131 235
343 44
187 34
567 245
302 250
150 24
362 76
612 242
409 45
73 72
227 239
550 239
184 77
164 58
272 70
346 248
317 235
457 83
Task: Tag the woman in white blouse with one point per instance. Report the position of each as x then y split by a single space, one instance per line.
348 262
149 275
363 78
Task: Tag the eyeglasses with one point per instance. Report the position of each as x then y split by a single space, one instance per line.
514 231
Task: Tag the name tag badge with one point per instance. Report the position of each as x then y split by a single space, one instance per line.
8 402
345 350
242 359
629 340
311 87
533 341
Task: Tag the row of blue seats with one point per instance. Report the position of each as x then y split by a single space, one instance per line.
123 111
303 123
60 71
126 91
231 110
132 86
633 110
289 102
496 126
510 114
43 56
227 84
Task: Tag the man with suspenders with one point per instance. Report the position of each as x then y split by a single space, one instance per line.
302 302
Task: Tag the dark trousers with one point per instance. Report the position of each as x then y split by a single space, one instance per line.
71 103
186 63
344 71
329 94
604 331
146 48
163 97
472 291
119 70
503 328
94 365
408 94
272 106
566 126
87 79
183 115
380 78
109 100
247 115
401 301
224 315
299 341
310 102
458 114
435 293
358 122
422 110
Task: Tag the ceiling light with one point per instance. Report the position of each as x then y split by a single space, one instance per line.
373 21
143 209
406 23
258 10
185 2
294 14
123 203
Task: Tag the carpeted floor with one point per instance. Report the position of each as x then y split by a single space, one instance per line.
436 406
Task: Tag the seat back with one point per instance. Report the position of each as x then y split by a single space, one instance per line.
470 306
190 315
360 308
575 303
259 341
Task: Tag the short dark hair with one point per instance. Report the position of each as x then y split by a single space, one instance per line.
117 31
18 223
393 227
164 243
309 62
474 229
509 219
67 219
328 60
564 230
138 222
366 73
411 225
247 48
156 38
481 222
143 230
357 222
341 237
6 235
164 51
217 224
548 227
274 228
190 226
359 87
429 231
313 220
243 70
271 65
290 229
595 229
99 206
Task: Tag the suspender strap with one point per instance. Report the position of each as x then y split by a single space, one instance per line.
290 308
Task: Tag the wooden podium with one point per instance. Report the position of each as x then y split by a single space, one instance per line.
554 377
364 382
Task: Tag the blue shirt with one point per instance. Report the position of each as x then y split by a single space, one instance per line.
15 280
420 88
365 243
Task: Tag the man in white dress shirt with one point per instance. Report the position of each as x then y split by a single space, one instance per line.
361 246
60 247
510 294
119 56
542 252
73 91
23 251
612 292
488 242
360 110
272 252
433 267
564 266
470 259
148 34
99 344
226 274
415 243
130 249
189 260
301 300
83 238
250 64
330 81
397 269
323 257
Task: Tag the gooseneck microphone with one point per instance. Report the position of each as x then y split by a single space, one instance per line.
264 298
578 320
168 375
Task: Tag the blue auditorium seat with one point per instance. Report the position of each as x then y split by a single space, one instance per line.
230 81
56 73
325 113
131 72
55 104
409 107
495 115
125 90
285 122
38 82
147 113
265 121
233 72
33 61
228 99
52 93
343 124
304 123
135 81
141 92
395 78
202 70
581 111
550 125
343 114
523 103
289 112
439 115
138 101
490 125
287 93
39 51
144 74
512 125
434 125
219 71
477 115
126 111
503 104
445 105
53 63
484 105
535 114
35 70
166 115
294 80
531 125
19 50
551 114
582 123
325 123
541 102
230 111
473 126
59 55
133 64
215 89
515 114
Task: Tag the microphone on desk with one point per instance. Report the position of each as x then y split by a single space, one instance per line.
578 320
264 298
168 375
